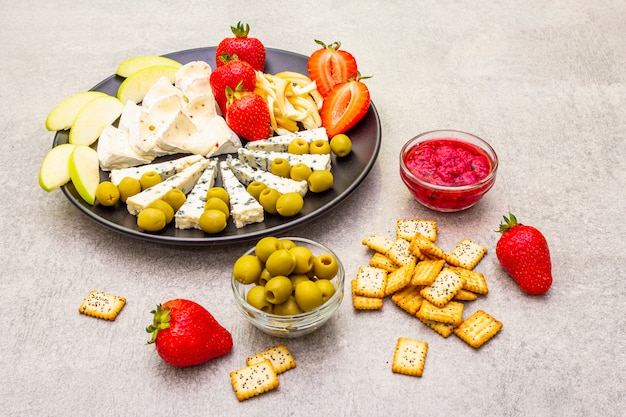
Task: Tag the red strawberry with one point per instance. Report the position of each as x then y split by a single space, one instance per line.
186 334
344 106
523 252
247 49
329 66
233 72
247 114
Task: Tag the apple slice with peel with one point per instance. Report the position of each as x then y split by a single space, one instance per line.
135 87
55 168
132 65
84 170
63 114
92 119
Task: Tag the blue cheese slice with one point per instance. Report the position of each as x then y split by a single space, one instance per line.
244 208
246 174
263 160
184 181
114 151
164 169
281 143
188 215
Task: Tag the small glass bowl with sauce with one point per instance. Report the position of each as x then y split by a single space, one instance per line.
448 170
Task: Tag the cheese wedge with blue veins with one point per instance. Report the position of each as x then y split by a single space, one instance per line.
246 174
281 143
263 160
244 208
164 169
188 215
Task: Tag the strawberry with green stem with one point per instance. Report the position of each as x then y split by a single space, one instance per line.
247 114
233 72
329 66
246 48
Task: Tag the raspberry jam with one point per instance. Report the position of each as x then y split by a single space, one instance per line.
448 170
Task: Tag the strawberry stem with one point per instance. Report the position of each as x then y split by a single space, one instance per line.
241 30
331 46
161 321
508 223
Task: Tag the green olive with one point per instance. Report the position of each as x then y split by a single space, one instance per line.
149 179
300 172
308 295
268 199
264 277
286 244
298 146
280 262
264 247
175 198
107 193
319 146
320 181
325 266
304 259
278 289
247 269
218 192
151 220
297 278
289 204
326 287
255 188
288 308
212 221
341 145
128 187
256 298
280 167
165 208
216 203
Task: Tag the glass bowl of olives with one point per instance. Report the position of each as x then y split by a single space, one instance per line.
288 287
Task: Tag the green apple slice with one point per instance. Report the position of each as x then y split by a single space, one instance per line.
135 87
84 170
93 118
55 168
63 114
132 65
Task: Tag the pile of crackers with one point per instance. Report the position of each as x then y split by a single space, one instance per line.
426 282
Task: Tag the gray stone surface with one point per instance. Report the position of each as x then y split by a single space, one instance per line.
543 82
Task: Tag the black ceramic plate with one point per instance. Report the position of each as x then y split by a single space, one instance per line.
348 172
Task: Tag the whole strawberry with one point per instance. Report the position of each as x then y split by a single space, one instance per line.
186 334
523 253
229 75
247 114
247 49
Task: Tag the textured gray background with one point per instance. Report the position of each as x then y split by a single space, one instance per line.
542 81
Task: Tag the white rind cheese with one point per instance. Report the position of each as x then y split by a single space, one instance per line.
114 151
184 181
188 215
244 208
281 143
164 169
263 160
246 174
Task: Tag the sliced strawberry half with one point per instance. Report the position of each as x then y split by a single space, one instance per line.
329 66
344 106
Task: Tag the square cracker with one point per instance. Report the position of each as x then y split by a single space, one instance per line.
254 380
477 329
443 288
472 280
102 305
408 299
466 254
370 282
451 313
421 246
278 355
360 302
378 243
400 254
409 357
426 271
381 261
399 279
407 228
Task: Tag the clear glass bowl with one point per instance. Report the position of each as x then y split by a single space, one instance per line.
299 324
448 198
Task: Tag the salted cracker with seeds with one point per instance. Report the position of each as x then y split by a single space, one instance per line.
451 313
102 305
427 249
409 357
426 271
407 228
443 288
408 299
478 328
399 278
278 355
473 281
254 380
466 254
370 282
399 253
381 261
360 302
378 243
